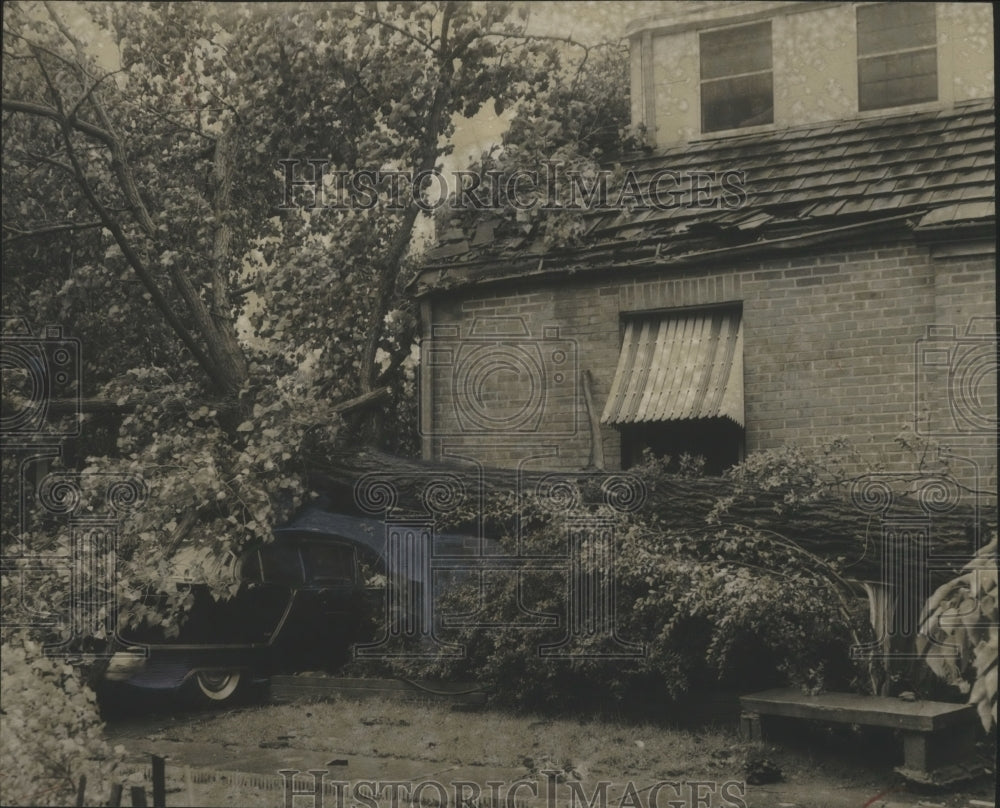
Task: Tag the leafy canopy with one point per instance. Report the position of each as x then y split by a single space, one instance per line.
142 204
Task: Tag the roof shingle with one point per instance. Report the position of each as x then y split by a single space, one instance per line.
822 176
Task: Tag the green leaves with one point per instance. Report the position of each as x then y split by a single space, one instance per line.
231 326
958 633
51 731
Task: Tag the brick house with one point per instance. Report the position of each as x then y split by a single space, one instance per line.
828 268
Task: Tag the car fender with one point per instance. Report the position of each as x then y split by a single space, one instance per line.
167 670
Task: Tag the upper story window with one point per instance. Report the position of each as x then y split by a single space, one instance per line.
897 55
737 87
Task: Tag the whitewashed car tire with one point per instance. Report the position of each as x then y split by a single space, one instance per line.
218 686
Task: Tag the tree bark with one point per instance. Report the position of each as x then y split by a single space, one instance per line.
229 354
831 528
390 263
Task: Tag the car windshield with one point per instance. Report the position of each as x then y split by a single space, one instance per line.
329 561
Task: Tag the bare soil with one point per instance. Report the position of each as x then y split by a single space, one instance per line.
233 758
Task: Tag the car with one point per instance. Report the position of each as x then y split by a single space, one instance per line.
301 601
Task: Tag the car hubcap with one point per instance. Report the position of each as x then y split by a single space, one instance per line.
218 685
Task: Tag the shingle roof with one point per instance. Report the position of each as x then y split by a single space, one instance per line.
931 168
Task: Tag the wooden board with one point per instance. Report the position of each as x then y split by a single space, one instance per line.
850 708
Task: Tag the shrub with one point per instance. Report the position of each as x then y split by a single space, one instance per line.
958 633
51 733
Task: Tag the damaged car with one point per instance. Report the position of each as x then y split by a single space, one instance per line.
301 602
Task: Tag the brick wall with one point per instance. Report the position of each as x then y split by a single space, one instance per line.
832 347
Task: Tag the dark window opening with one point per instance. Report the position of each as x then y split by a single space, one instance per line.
897 55
737 87
718 440
281 564
678 387
250 567
328 562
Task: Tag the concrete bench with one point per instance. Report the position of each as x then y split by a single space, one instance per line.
938 737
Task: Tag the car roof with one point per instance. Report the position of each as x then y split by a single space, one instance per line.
325 524
322 524
371 533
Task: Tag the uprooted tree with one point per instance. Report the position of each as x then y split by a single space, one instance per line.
751 578
221 312
224 320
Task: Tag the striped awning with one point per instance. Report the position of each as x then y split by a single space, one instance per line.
677 367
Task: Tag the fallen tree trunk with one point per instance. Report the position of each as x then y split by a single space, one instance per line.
858 536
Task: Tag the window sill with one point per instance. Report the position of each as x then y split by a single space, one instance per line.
726 134
902 109
869 114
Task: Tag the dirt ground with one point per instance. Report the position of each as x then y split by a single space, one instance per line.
233 758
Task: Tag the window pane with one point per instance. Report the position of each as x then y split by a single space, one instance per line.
732 51
250 567
903 78
281 564
328 562
732 103
889 27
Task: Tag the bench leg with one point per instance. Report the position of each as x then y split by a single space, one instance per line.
938 758
916 752
750 727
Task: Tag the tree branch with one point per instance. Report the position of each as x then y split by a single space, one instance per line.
364 400
389 269
44 158
89 93
45 231
43 111
123 243
402 31
222 174
119 159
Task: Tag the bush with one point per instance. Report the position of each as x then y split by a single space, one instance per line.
958 633
51 732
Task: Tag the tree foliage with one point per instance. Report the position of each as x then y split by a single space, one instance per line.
144 204
145 212
958 633
50 735
577 127
723 605
748 580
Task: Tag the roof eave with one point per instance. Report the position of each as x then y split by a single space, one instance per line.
599 260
